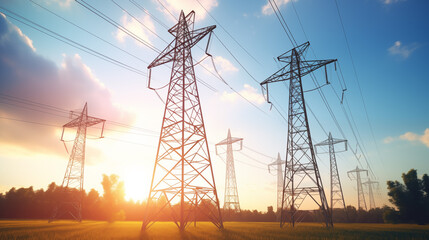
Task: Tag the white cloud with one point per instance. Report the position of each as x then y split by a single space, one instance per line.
135 27
387 2
222 64
388 140
413 137
409 136
174 7
402 50
22 36
248 92
268 10
25 74
61 3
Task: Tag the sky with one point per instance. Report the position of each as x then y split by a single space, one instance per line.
386 99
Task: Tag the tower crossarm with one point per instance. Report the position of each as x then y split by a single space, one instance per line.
276 163
370 182
357 170
305 67
167 55
229 141
332 141
88 121
189 19
287 56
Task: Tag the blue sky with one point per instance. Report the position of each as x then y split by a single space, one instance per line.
388 41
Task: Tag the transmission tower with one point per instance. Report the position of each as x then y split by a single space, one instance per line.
278 165
337 197
302 177
71 202
370 183
183 165
356 176
231 193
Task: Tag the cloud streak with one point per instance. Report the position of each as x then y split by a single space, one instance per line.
411 137
174 7
135 27
222 64
404 51
268 10
387 2
249 92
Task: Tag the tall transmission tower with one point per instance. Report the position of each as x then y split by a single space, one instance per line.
278 165
183 165
231 193
337 197
355 174
71 202
302 176
370 183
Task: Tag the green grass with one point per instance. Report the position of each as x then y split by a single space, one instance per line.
41 229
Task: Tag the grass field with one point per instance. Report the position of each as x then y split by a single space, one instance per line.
40 229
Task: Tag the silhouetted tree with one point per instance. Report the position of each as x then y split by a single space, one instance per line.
113 198
410 198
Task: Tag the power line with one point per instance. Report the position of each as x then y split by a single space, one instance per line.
56 126
220 77
148 13
357 79
133 35
253 159
117 25
238 93
318 87
65 113
68 41
283 23
167 10
92 34
255 151
235 40
144 25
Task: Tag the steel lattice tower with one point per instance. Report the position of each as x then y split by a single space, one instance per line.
337 197
278 165
302 177
71 203
361 194
370 183
231 193
183 169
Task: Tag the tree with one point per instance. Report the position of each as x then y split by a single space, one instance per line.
411 198
113 198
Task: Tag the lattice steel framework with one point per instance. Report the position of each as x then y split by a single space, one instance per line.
302 177
71 199
355 174
337 197
231 202
279 168
369 184
183 170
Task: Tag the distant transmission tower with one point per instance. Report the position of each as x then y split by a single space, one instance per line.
357 177
278 165
231 193
370 183
71 202
302 177
182 166
337 197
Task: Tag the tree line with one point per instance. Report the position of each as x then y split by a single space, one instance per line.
410 201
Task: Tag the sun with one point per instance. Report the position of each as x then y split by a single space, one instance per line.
136 186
